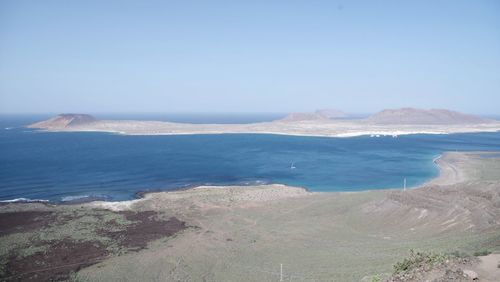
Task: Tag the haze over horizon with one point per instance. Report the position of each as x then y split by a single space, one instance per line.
261 56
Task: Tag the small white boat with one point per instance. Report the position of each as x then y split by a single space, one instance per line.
292 166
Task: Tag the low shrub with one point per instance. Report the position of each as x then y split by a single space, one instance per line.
459 254
481 253
418 259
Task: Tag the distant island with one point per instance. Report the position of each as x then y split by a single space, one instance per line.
330 123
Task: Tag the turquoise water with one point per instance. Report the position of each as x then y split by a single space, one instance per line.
67 166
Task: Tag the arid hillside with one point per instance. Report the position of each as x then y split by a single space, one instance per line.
419 116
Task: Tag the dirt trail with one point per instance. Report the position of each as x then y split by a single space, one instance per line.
488 268
450 171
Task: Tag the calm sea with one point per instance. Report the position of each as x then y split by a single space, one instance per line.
68 166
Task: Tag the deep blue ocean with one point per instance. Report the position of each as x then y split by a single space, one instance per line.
68 166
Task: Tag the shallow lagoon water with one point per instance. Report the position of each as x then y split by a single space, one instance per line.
70 166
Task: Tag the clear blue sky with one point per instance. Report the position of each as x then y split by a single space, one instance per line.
248 56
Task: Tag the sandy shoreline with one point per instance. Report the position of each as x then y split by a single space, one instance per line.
451 166
446 163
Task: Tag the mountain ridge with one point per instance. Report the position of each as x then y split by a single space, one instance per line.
421 116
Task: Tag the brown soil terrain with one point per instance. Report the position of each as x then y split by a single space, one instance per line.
62 258
36 258
146 228
14 222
